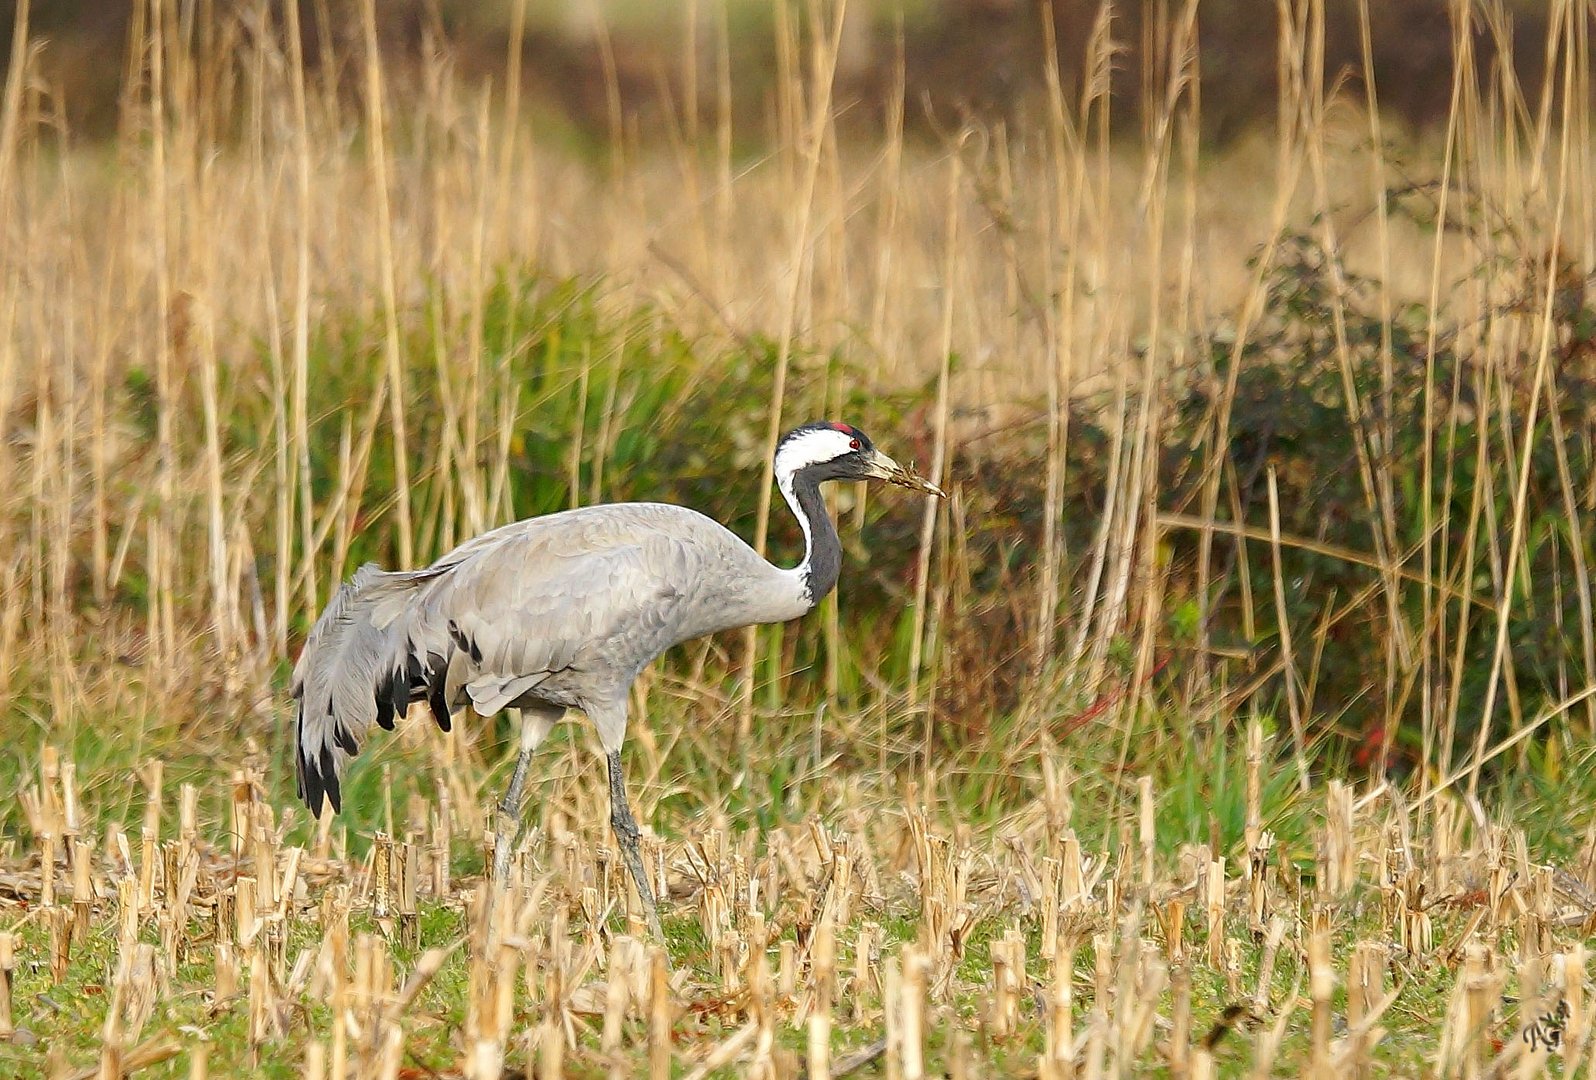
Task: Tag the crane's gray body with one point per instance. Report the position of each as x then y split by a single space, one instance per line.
560 612
556 612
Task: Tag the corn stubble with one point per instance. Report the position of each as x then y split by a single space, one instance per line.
176 512
1076 964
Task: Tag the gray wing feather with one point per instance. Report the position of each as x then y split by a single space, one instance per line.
596 592
492 693
336 679
520 616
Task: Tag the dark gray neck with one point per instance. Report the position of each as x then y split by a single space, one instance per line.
823 560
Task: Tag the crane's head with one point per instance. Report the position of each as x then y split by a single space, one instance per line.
825 450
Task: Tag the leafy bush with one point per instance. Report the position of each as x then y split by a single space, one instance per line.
1471 405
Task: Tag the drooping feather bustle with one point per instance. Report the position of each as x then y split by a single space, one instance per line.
356 669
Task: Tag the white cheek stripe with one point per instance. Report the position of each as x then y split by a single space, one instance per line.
784 482
811 448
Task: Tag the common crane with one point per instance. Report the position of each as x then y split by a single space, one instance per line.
561 612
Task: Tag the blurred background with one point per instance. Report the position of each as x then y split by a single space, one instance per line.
982 57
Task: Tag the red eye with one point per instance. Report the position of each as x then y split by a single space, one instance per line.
853 444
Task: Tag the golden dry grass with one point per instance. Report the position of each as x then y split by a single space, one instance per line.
263 331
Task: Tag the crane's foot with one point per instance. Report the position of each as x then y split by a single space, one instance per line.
645 895
509 818
504 831
627 836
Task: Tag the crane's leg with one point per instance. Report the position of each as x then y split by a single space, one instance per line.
535 725
626 835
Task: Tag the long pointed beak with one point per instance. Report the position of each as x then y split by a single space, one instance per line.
893 473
